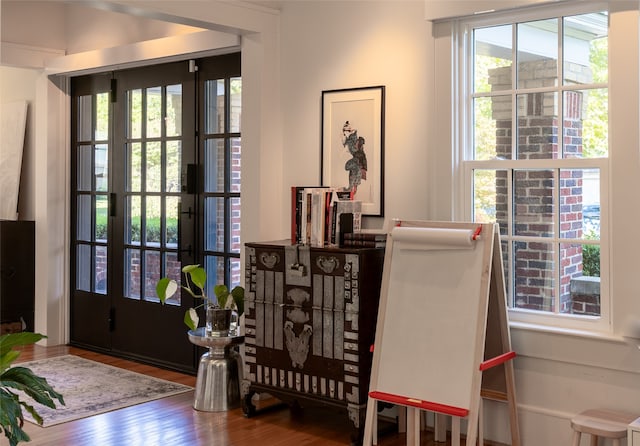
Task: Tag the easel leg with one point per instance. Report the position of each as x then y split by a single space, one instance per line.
440 428
455 431
481 423
370 422
413 426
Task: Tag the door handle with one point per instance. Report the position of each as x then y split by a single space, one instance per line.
189 248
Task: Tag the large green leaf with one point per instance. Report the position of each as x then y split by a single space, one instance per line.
11 418
11 340
166 288
198 276
36 387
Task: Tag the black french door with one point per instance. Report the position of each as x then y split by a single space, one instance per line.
139 205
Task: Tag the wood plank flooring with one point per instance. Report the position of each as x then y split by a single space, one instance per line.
173 422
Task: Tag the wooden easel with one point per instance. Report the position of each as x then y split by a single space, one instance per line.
442 338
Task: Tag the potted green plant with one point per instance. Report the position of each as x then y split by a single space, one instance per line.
23 379
218 312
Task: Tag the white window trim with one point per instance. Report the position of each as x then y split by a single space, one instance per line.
462 146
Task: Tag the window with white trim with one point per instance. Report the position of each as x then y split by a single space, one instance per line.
534 156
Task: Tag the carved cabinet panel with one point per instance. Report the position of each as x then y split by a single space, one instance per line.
310 316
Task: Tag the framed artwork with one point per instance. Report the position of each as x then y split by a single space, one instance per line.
353 144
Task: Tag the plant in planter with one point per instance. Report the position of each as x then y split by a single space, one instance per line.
218 313
23 379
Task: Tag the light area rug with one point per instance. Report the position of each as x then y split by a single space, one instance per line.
91 388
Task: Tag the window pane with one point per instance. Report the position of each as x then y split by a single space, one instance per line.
533 202
83 267
214 106
133 220
538 126
174 110
102 216
586 120
84 118
580 275
154 112
84 168
236 272
102 167
154 167
135 113
236 164
492 128
580 203
101 270
132 273
102 116
537 58
586 48
484 196
83 218
134 169
174 160
236 105
214 218
214 165
493 60
152 274
533 279
152 220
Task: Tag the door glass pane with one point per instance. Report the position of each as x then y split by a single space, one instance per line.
174 163
235 115
214 265
102 116
134 104
534 277
154 112
492 58
236 165
133 220
134 169
102 167
214 165
85 130
152 221
132 273
84 168
586 122
83 267
83 218
537 58
538 126
492 127
236 272
101 270
171 221
214 218
102 210
214 106
174 110
234 228
154 166
173 269
533 202
152 274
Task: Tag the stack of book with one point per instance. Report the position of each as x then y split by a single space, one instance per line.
319 215
365 239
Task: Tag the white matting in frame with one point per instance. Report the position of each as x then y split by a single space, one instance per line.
353 144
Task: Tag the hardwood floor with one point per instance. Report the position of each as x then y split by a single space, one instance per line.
173 422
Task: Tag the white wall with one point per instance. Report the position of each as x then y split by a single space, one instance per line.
288 59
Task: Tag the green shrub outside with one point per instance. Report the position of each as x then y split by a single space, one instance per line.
153 229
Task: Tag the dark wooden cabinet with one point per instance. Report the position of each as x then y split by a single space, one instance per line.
310 317
17 273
